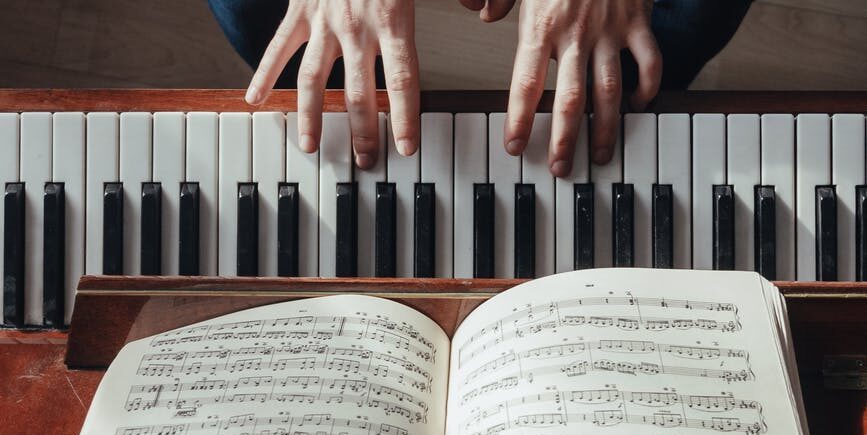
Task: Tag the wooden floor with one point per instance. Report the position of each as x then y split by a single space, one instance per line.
783 44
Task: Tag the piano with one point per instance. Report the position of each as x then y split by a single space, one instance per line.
197 183
146 186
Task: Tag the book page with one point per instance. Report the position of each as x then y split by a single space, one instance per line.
622 351
333 365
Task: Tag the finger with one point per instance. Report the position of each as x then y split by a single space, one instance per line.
607 91
400 63
473 5
496 10
360 95
312 76
569 101
528 83
291 33
643 46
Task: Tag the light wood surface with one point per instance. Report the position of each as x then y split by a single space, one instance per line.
783 44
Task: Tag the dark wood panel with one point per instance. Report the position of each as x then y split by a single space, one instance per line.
124 100
113 310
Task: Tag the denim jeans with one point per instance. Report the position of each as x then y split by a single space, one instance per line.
689 33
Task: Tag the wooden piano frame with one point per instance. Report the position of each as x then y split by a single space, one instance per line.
829 320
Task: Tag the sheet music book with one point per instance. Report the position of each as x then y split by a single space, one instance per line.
605 351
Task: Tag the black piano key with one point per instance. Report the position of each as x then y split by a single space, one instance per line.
860 233
112 229
54 247
151 228
346 246
386 230
424 231
483 230
13 255
248 229
826 233
188 230
288 201
583 241
765 231
623 225
663 226
525 231
723 227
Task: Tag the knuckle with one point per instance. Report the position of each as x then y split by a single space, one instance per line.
608 86
355 97
571 99
401 80
364 141
309 76
521 123
528 85
544 25
403 127
350 22
389 16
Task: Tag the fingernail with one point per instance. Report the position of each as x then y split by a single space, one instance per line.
561 168
307 144
404 146
365 160
600 156
516 146
253 95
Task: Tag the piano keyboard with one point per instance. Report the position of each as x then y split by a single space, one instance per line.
204 193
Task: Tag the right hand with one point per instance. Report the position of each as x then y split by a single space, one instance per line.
357 30
582 35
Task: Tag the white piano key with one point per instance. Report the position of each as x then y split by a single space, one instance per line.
847 171
335 166
471 167
603 177
708 168
813 168
778 170
565 201
504 172
367 180
201 167
9 135
136 167
269 169
169 165
234 167
102 167
436 167
404 172
535 170
639 169
35 171
743 168
303 168
674 169
68 168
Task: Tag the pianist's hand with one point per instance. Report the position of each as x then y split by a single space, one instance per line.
357 30
585 37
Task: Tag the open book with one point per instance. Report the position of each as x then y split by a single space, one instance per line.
605 351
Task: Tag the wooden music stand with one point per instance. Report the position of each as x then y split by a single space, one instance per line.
828 322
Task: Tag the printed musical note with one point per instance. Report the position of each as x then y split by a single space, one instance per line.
339 370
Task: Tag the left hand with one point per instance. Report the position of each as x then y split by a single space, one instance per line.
356 30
